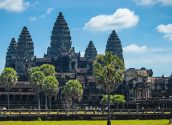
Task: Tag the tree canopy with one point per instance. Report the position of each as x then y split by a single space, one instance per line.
72 91
50 85
8 77
47 69
108 70
113 99
36 80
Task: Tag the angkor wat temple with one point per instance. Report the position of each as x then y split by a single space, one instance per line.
139 84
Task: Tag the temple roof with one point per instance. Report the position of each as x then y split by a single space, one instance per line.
13 41
90 52
11 52
25 47
60 38
12 45
25 35
91 45
114 45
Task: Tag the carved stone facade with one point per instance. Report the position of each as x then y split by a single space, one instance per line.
61 54
139 83
20 55
142 85
60 38
90 52
11 54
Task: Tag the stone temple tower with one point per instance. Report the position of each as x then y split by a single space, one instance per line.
90 52
114 45
11 54
60 49
90 55
24 52
60 38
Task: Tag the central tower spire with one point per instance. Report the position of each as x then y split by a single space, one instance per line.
60 38
114 45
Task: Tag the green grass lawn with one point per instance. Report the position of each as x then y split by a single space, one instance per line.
89 122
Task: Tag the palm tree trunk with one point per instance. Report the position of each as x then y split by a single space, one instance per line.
46 101
109 119
38 100
8 100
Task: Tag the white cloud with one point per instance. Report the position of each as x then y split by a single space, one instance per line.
133 48
34 18
153 2
120 19
166 30
14 5
49 10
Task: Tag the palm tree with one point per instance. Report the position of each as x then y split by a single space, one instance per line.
50 88
36 81
9 79
108 70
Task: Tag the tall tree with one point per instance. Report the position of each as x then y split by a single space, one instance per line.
36 80
50 88
72 91
48 70
108 70
9 79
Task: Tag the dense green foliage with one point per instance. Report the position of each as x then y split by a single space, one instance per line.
8 77
108 70
47 69
72 91
33 69
113 99
50 85
36 80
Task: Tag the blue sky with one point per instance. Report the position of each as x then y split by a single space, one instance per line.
144 27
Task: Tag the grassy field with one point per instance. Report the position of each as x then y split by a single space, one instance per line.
84 122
